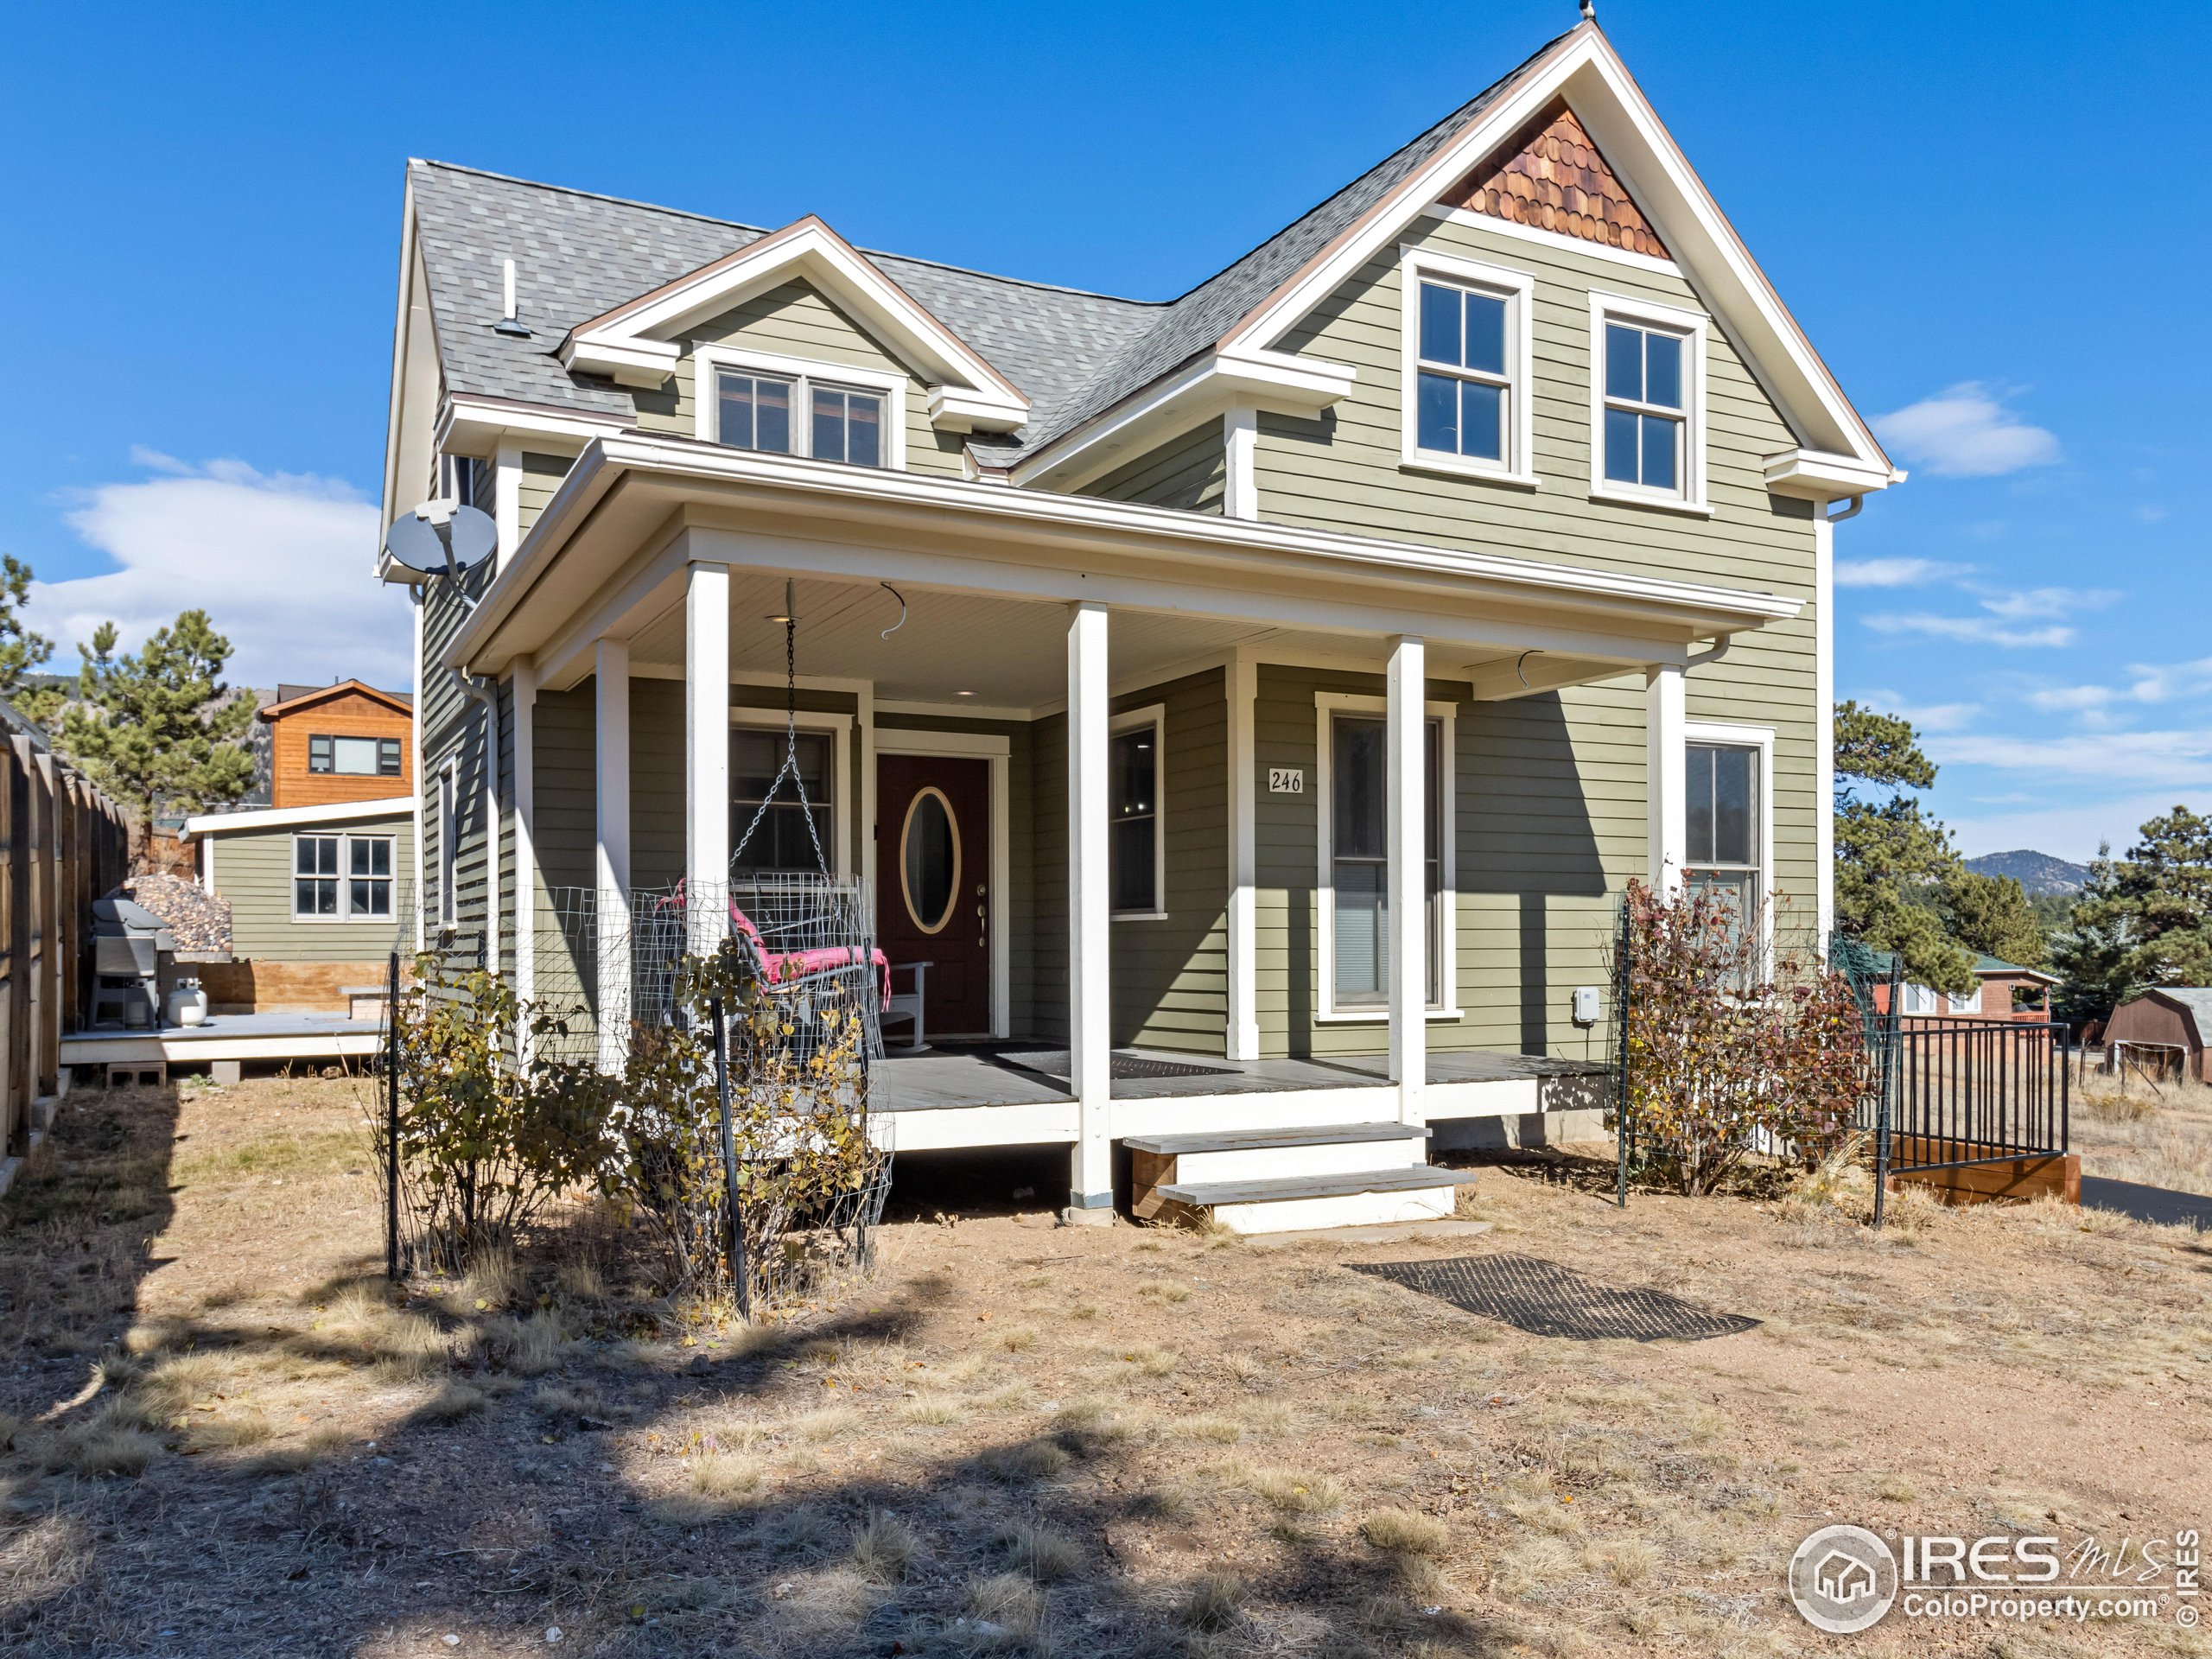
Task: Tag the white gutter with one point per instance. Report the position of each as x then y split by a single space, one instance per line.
287 817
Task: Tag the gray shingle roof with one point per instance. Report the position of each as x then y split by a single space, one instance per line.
578 255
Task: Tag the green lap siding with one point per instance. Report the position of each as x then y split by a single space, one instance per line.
253 874
1190 472
539 481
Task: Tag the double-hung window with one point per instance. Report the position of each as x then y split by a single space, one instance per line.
1726 836
1133 814
1359 864
354 757
1648 444
1466 352
780 839
341 878
788 406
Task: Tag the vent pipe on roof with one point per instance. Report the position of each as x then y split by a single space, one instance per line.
508 322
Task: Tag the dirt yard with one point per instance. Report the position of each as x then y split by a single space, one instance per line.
223 1440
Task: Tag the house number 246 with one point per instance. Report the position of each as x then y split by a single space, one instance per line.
1286 780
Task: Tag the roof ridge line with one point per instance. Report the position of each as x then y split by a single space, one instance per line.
766 229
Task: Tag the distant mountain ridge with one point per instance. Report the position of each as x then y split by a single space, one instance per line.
2037 873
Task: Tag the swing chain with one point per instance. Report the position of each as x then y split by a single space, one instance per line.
790 768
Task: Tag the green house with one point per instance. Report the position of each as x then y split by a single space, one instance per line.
1459 553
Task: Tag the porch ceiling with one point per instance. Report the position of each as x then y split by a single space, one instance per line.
1013 653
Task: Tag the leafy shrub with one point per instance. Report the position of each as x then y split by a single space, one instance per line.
1731 1047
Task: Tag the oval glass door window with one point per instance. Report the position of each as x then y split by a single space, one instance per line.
929 860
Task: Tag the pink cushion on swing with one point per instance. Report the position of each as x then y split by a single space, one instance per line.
799 964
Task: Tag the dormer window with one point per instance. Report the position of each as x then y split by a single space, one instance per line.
753 412
848 426
1466 351
779 405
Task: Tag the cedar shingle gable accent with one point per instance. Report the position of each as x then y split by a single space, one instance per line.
1549 176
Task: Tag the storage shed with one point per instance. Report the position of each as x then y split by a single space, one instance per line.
2162 1029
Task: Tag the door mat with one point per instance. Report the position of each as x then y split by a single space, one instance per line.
1546 1300
1055 1063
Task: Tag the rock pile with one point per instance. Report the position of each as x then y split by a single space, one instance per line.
201 921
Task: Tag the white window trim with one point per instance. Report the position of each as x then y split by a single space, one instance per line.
1746 737
1916 1001
1517 288
1326 706
1692 327
840 726
344 838
1154 716
805 371
448 845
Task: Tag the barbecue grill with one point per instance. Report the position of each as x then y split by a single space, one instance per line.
132 950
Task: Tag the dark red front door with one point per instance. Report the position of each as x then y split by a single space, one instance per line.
933 883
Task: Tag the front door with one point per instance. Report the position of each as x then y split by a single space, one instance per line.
932 887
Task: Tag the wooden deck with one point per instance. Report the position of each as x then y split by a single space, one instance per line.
228 1038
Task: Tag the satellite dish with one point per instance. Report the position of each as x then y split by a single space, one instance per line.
441 539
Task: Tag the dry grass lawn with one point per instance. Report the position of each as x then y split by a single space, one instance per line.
2128 1128
223 1439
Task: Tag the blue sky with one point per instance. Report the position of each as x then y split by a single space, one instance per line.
1989 219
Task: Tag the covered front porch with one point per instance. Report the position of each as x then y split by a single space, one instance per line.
1143 790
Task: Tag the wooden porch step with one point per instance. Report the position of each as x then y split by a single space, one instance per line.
1206 1194
1170 1146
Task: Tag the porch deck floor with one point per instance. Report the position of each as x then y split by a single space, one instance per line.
993 1075
273 1036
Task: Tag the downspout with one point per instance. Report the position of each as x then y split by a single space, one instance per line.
487 691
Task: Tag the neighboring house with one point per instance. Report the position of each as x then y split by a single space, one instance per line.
318 881
2003 990
1459 553
2164 1029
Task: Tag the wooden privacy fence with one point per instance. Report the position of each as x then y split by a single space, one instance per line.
62 845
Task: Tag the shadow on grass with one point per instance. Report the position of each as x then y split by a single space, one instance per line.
651 1498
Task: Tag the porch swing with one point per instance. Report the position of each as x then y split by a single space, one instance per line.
807 936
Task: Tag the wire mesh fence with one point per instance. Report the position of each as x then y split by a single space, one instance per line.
700 1057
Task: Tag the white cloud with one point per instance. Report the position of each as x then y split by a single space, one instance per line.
2179 759
2072 830
2150 515
2015 604
1970 630
1893 572
1964 432
1928 717
280 562
2151 683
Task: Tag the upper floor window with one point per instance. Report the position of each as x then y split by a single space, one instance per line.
781 406
754 412
354 757
1466 352
1647 402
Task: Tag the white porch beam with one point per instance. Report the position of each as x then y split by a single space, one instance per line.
1405 833
611 866
706 753
1089 924
1242 675
1667 776
1824 724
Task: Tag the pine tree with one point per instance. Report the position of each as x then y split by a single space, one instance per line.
22 653
2146 920
160 730
1991 914
1889 859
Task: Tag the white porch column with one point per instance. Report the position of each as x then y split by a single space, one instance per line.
1406 833
1667 775
611 866
706 753
1089 952
526 808
1824 723
1242 676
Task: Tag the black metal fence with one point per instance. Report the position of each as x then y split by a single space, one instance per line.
1979 1092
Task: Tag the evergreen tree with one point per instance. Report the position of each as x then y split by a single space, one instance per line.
1889 859
2146 920
1991 914
22 653
160 730
2094 957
